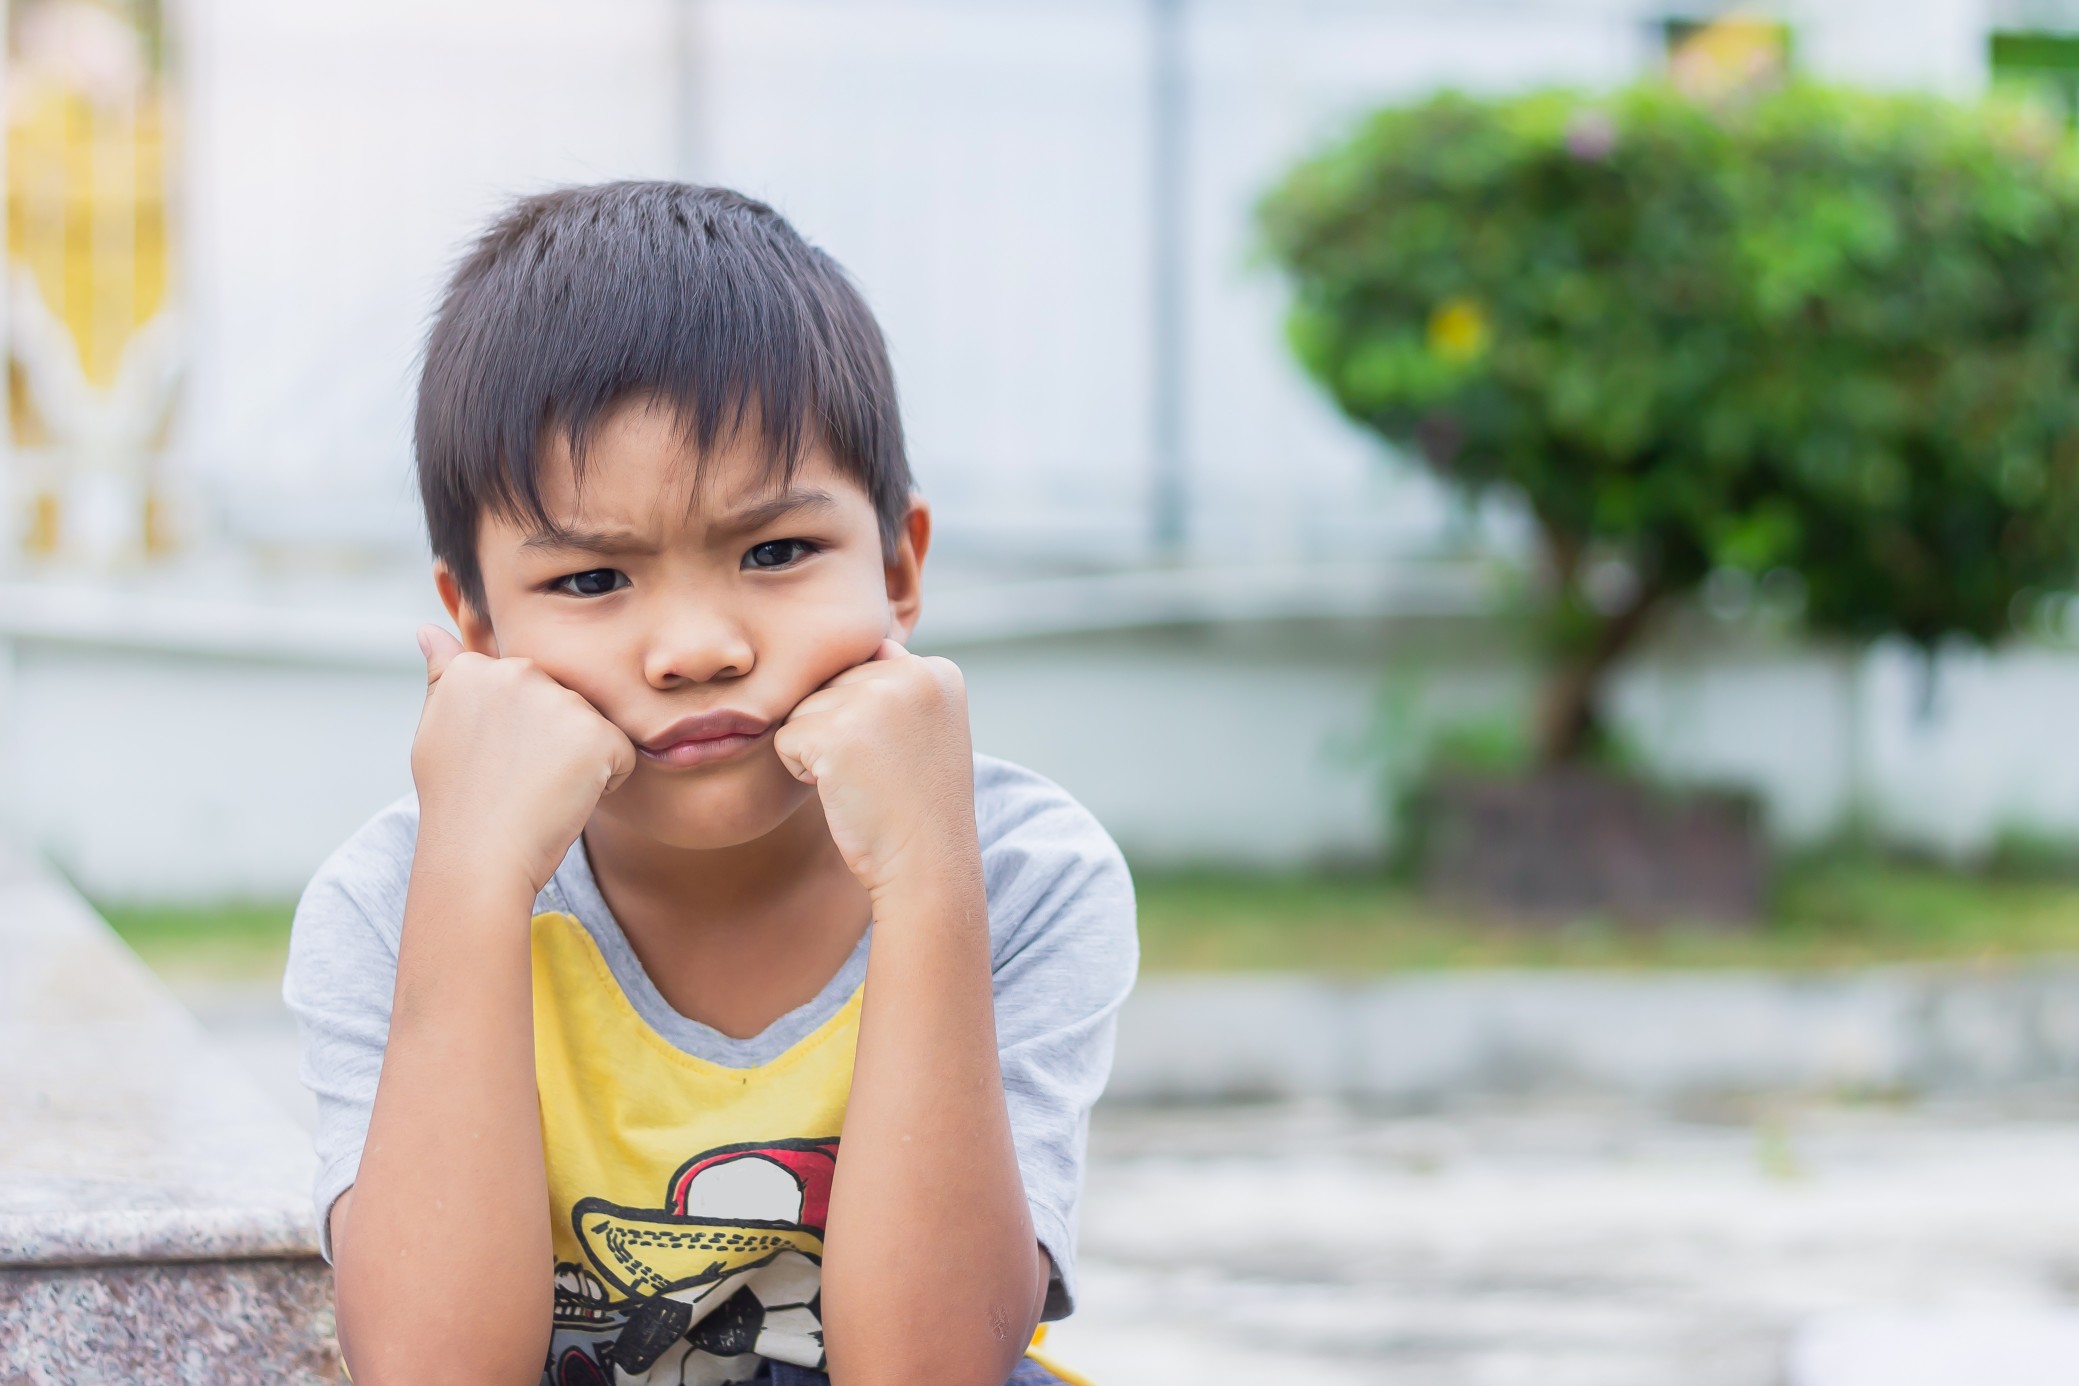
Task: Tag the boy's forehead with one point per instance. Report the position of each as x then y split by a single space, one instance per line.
640 466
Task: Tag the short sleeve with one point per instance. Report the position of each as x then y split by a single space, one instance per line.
1061 919
1061 916
341 976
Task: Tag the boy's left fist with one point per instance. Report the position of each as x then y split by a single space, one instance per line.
886 745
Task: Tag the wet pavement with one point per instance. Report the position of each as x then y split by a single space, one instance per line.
1567 1243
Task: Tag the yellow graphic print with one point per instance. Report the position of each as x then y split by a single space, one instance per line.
684 1252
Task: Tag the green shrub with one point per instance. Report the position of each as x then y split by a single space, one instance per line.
1820 340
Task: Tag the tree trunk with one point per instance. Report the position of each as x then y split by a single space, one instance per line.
1570 706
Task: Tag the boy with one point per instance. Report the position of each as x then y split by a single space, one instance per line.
711 1013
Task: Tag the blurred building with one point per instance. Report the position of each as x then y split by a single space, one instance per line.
1048 203
93 341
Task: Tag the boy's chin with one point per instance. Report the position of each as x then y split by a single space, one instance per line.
707 813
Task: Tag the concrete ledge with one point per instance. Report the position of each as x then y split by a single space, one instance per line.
154 1207
1418 1039
193 1234
202 1323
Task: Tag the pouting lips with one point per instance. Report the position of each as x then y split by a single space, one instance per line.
704 737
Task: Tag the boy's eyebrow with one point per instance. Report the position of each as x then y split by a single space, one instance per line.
605 542
764 512
611 542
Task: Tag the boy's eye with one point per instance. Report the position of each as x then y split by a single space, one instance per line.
593 582
777 553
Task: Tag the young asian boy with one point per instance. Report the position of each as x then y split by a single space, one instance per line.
711 1012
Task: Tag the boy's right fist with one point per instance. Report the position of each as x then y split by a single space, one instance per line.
509 763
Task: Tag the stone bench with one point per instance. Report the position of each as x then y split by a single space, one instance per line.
155 1218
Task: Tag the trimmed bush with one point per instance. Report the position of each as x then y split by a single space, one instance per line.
1819 341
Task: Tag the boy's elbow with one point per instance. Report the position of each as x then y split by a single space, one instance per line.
977 1347
943 1359
930 1363
407 1345
405 1364
417 1376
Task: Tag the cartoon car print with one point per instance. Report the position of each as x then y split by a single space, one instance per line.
727 1271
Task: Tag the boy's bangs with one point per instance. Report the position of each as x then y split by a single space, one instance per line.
698 300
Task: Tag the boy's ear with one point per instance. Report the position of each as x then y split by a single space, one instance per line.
905 569
474 626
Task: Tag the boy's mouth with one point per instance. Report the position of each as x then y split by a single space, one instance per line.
704 737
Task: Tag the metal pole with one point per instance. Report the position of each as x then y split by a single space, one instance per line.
1169 137
687 97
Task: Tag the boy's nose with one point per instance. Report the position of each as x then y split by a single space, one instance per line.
697 647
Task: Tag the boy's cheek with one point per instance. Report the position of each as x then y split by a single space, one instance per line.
843 640
588 674
789 663
849 658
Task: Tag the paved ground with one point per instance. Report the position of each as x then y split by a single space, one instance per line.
1552 1244
1563 1244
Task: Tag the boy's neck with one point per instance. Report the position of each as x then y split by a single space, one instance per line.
734 937
719 883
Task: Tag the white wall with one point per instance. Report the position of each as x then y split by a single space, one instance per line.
337 159
1994 750
984 169
1931 45
155 774
163 777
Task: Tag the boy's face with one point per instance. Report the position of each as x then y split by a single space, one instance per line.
662 600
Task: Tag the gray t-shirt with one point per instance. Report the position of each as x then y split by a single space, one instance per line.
1061 924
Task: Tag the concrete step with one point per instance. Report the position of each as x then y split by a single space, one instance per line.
155 1216
1437 1037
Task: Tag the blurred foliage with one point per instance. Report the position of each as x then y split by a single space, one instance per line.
2029 854
1821 342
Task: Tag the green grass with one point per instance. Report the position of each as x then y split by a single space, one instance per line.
1829 912
231 940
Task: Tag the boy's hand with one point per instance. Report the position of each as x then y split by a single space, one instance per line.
509 763
886 744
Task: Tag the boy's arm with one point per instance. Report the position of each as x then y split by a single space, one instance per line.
442 1258
436 1258
931 1270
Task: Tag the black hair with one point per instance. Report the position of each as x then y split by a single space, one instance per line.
699 298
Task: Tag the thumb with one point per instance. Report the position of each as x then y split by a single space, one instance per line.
440 648
620 760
